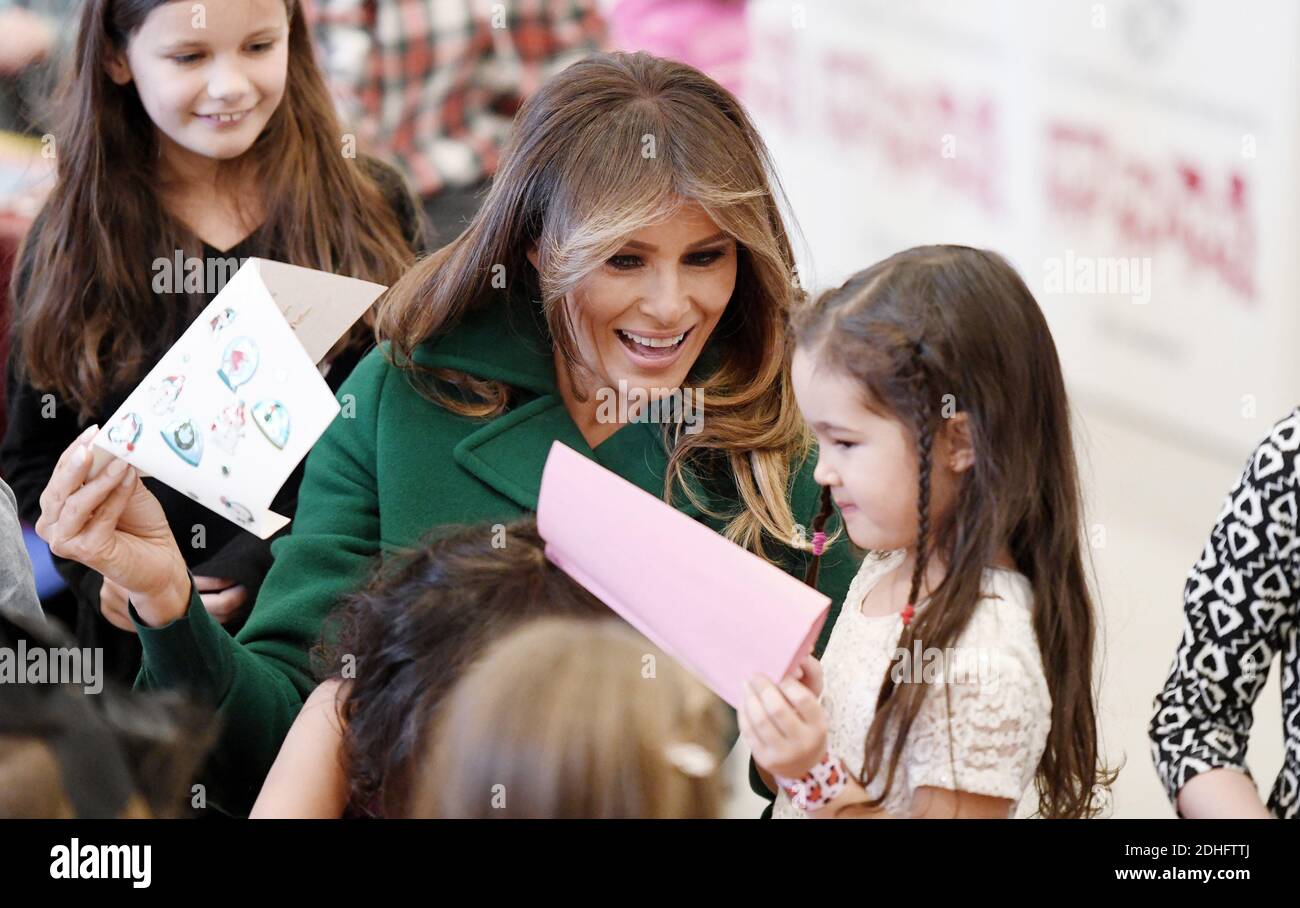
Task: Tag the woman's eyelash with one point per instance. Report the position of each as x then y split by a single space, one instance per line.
707 257
699 259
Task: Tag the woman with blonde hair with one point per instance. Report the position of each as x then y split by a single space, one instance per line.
611 729
623 290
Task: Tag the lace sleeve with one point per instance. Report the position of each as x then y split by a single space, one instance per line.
995 712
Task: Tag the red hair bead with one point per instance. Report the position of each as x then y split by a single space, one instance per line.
819 542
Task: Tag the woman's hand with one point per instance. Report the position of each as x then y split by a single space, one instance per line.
113 600
113 525
784 726
1221 793
224 599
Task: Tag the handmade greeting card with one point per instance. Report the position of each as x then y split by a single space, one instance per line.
722 612
238 401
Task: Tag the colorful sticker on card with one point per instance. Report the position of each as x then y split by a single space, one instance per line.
272 417
239 362
125 432
185 440
166 392
220 320
237 511
228 427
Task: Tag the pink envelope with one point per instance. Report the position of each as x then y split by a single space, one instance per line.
722 612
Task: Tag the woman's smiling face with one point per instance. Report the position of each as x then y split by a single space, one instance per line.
644 315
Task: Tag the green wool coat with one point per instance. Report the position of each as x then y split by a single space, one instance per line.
391 468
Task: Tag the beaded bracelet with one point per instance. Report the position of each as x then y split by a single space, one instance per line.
819 787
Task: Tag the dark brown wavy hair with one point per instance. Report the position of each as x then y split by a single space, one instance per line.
411 632
950 320
90 321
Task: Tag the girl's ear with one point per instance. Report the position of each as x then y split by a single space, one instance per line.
532 255
960 453
119 70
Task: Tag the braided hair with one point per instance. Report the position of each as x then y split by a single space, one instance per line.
922 402
824 509
924 443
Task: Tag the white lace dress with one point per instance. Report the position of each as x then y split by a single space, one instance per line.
1001 708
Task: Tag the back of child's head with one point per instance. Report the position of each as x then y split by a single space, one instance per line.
402 641
937 331
67 752
577 720
89 318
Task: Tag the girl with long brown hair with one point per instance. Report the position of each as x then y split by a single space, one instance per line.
630 252
192 137
959 673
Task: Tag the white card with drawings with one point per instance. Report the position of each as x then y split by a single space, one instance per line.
233 407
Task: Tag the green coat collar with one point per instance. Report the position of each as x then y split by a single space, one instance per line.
507 340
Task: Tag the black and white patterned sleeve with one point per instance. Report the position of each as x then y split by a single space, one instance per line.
1240 606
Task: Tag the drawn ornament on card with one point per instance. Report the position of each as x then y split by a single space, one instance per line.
239 362
166 392
220 320
237 511
125 432
272 417
228 428
185 440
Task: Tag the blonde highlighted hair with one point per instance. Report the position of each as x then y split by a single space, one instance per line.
594 738
607 146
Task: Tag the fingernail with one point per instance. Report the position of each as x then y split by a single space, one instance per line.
90 430
81 455
117 467
128 478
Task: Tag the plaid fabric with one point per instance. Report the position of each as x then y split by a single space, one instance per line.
433 84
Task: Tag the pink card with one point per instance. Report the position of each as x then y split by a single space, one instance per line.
722 612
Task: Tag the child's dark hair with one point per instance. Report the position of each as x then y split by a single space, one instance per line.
88 322
116 754
937 330
402 642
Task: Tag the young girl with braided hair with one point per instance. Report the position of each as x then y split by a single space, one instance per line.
959 672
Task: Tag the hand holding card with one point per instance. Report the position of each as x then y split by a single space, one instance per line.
237 402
